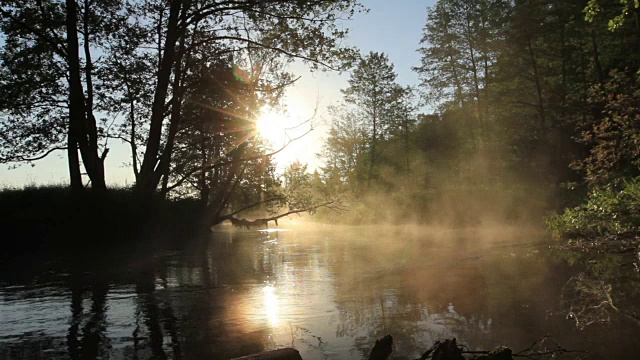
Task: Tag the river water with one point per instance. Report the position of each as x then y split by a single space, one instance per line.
327 291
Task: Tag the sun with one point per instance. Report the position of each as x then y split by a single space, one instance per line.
287 129
271 126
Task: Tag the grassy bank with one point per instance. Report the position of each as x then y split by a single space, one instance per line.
35 219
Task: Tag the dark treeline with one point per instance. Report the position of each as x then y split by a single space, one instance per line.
180 82
534 104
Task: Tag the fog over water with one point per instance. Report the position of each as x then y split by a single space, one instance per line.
328 291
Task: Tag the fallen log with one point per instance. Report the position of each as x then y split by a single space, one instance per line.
448 349
382 349
279 354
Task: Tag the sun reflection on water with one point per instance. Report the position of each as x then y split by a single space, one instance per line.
271 304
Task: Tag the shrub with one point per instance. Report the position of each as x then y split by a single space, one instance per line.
608 212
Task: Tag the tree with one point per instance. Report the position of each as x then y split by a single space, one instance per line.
345 147
303 30
613 139
379 100
147 73
60 38
459 50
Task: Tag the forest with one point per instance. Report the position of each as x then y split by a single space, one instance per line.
527 111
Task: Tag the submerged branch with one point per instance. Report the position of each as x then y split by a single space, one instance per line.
264 222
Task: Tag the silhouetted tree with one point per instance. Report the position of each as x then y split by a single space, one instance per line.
146 53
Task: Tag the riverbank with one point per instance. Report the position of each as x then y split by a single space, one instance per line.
45 218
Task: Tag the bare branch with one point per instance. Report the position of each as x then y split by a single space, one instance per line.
40 157
229 162
264 221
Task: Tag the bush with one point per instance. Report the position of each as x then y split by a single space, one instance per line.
607 212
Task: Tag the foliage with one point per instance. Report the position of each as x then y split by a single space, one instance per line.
613 137
626 8
95 61
303 190
459 50
609 213
181 82
345 148
376 109
514 85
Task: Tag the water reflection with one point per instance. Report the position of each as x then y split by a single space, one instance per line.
271 304
328 292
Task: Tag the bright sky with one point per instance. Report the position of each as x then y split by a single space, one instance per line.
391 26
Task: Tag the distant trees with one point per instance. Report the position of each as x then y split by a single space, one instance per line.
375 109
521 90
345 148
459 51
521 71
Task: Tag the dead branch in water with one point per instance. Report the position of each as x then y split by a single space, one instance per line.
449 349
445 350
264 222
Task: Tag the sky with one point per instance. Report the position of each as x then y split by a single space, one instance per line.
391 26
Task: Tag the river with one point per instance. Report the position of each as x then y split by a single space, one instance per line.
328 291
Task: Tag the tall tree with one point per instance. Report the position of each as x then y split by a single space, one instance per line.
459 50
345 148
374 92
302 30
85 44
63 36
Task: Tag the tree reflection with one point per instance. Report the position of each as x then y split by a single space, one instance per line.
336 291
606 286
427 288
94 344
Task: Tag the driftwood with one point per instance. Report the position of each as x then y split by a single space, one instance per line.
264 222
280 354
255 224
382 349
446 350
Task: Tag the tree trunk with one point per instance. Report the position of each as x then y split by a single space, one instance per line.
176 111
84 131
538 84
204 160
98 180
476 81
596 57
75 176
148 179
219 202
374 140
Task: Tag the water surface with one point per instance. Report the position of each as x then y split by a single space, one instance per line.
328 291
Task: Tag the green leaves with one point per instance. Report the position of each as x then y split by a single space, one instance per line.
625 7
608 212
613 136
375 109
